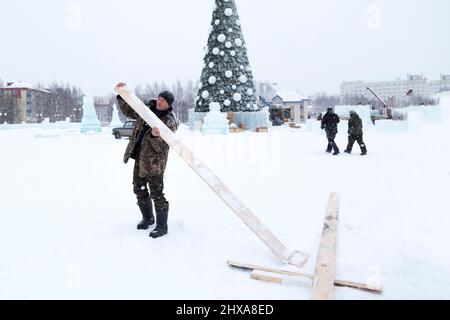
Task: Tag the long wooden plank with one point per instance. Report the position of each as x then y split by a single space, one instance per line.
324 277
337 282
296 258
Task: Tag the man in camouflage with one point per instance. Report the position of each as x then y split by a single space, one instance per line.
355 133
150 153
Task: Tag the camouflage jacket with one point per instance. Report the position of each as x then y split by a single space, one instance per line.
355 126
153 151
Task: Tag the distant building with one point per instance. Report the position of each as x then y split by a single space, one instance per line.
398 89
21 102
441 85
293 104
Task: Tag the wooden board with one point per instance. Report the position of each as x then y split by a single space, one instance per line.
266 277
338 283
324 277
296 258
236 130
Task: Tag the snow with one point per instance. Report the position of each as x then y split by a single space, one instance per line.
69 215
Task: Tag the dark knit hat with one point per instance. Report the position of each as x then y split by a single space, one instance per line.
168 96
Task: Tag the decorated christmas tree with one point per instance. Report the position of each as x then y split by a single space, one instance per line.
227 77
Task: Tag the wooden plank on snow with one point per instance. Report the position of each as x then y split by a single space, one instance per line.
266 277
324 277
337 282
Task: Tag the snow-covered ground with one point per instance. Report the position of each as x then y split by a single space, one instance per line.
68 215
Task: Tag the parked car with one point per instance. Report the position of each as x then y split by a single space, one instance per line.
125 131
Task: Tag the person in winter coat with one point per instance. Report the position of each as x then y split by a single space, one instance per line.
355 133
150 153
330 123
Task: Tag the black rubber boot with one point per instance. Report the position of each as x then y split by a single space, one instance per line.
161 223
148 219
363 150
336 149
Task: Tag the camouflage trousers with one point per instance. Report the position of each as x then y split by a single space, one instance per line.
149 186
356 138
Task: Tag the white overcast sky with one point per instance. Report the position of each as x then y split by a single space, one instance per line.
311 46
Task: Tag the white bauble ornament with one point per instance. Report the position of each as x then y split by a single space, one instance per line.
227 103
216 51
228 12
221 37
212 80
205 94
228 73
243 79
237 97
211 65
238 42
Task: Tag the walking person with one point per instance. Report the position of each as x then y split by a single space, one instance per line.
330 123
355 133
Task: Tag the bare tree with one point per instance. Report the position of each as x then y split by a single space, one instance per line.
265 89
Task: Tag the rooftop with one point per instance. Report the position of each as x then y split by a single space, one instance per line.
23 85
290 96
